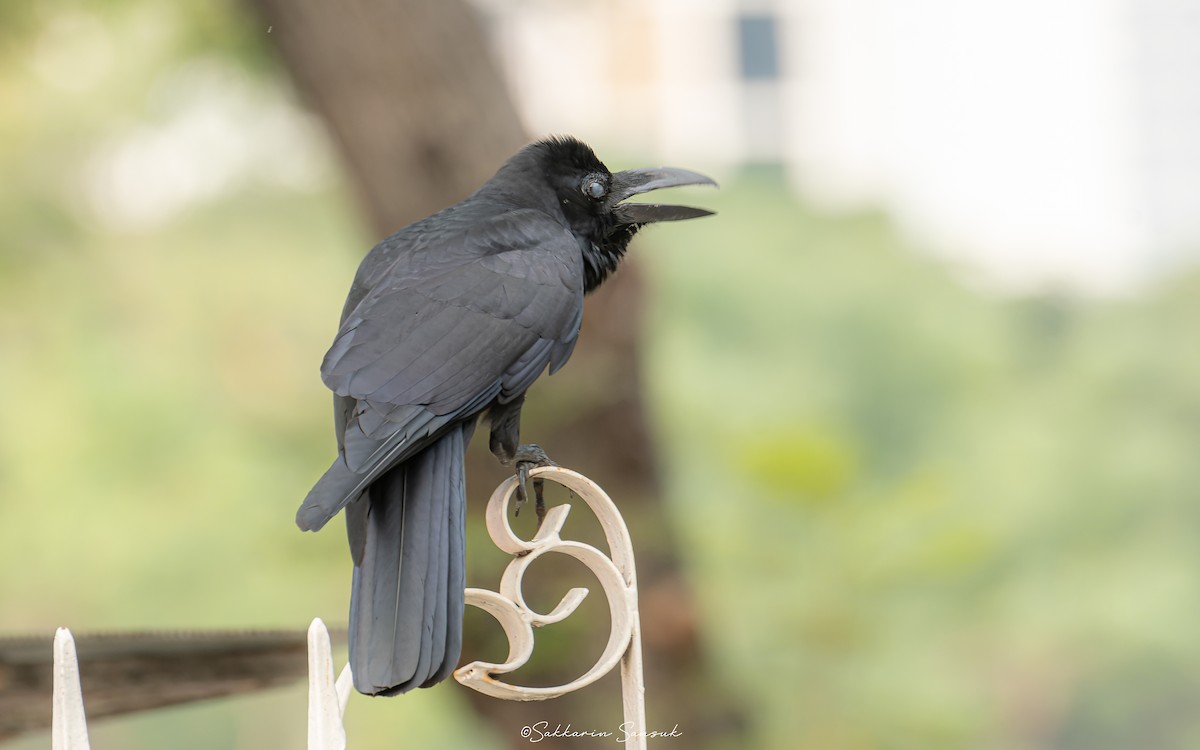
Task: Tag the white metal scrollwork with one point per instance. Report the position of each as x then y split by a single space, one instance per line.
617 577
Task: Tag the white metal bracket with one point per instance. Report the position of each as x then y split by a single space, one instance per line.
617 576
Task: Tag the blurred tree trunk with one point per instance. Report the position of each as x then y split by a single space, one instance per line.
409 93
421 117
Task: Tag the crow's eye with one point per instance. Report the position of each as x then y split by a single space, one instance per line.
593 187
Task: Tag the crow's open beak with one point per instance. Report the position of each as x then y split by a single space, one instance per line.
635 181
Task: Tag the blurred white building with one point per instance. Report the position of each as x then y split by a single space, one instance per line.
1041 142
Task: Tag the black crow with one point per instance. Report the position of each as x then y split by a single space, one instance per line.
451 318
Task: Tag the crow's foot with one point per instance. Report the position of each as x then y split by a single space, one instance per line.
530 457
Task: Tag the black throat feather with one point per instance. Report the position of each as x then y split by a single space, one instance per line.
601 258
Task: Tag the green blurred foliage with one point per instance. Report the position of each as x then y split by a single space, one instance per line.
921 514
917 514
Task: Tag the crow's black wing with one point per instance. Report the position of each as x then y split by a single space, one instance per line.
461 319
445 323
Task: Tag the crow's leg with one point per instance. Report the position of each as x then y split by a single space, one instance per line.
505 445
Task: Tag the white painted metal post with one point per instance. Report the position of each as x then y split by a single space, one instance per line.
326 699
69 724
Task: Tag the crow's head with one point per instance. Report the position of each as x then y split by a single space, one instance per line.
591 199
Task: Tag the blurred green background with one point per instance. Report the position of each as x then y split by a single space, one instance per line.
917 514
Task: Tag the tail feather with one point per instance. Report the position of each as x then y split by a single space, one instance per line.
456 583
439 569
406 599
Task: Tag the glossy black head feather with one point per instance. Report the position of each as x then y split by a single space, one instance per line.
564 153
563 176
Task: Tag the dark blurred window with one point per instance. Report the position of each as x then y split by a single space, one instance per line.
758 47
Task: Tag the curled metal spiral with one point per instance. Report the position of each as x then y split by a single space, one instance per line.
616 574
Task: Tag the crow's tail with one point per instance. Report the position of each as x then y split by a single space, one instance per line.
406 602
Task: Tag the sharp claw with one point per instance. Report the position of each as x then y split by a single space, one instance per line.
540 507
522 494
